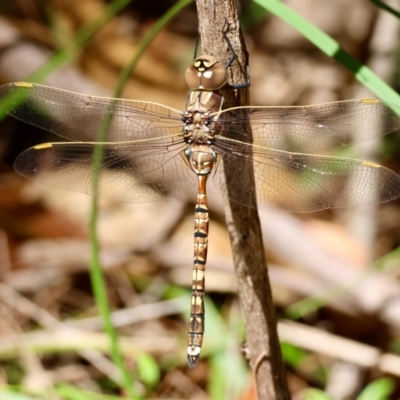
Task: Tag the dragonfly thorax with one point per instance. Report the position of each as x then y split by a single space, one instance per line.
206 73
201 158
198 127
203 101
198 119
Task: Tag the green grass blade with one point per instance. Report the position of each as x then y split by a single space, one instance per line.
385 7
228 372
315 394
146 41
10 395
78 41
332 48
67 54
97 277
381 389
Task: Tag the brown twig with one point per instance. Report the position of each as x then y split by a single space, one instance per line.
243 222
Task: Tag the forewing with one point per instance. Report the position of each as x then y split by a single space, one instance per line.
128 172
312 129
82 117
303 182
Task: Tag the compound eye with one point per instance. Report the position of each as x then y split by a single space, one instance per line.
215 77
192 78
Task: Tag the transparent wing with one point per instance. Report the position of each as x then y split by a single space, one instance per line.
304 182
128 172
312 129
81 117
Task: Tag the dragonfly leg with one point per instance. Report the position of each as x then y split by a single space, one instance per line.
196 46
243 85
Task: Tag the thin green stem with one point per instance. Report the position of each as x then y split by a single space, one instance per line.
97 277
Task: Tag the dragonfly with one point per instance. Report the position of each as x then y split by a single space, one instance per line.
151 151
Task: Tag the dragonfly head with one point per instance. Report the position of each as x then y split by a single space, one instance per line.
206 73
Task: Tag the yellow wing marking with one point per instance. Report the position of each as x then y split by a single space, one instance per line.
372 101
43 146
370 164
24 84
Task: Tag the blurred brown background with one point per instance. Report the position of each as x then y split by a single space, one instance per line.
145 248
